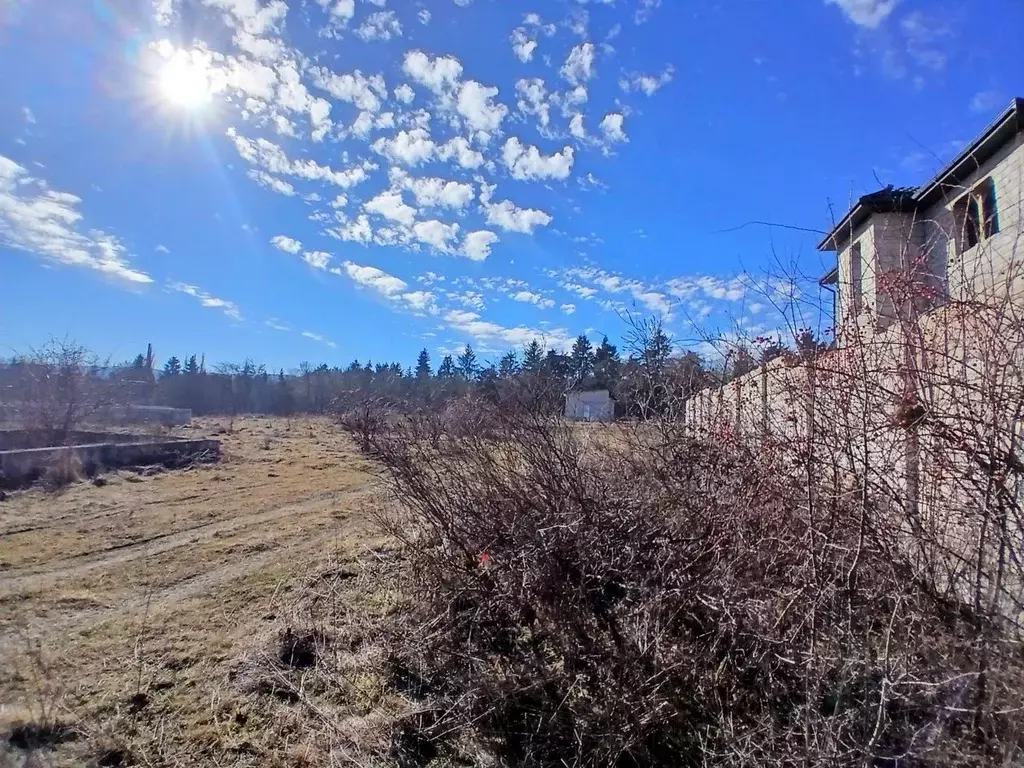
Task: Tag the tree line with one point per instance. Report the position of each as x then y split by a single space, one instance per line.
650 373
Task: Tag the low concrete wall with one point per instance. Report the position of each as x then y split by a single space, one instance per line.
23 439
22 467
115 414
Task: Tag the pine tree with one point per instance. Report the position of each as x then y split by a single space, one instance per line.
607 366
139 362
556 364
533 357
172 367
191 366
508 366
423 370
446 370
582 358
467 363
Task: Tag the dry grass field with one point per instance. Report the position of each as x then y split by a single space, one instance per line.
143 616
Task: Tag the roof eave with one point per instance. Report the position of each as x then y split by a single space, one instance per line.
1004 127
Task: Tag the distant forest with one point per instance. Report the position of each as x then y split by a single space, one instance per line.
650 365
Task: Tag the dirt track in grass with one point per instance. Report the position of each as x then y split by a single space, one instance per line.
157 581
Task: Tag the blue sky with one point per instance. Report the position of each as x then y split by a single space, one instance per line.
324 180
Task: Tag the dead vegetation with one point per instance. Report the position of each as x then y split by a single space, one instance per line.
655 599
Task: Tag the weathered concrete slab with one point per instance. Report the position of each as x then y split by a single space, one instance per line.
25 466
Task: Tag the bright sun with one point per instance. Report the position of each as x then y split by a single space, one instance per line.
185 82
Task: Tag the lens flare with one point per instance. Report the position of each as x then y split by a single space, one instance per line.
184 81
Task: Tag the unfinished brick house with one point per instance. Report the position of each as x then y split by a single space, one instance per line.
957 234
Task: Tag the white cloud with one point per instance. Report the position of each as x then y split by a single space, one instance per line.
253 78
293 96
459 149
404 93
646 10
576 126
357 231
527 163
590 181
418 301
390 205
866 13
374 278
611 127
317 259
481 330
650 297
320 338
362 125
271 182
533 99
424 16
26 113
229 308
648 84
580 290
477 245
436 74
522 45
568 308
382 25
340 10
529 297
162 249
438 193
579 66
286 244
477 106
339 202
733 289
252 16
163 12
354 88
407 147
272 158
435 233
512 218
39 220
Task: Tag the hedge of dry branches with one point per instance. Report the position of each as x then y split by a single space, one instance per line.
637 596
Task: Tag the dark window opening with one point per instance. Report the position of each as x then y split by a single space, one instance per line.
977 215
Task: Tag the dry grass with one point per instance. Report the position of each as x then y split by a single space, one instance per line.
132 613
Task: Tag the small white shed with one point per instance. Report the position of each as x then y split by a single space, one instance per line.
590 406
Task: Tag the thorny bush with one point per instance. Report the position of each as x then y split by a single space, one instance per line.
635 597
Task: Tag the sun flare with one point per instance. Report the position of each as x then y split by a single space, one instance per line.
184 81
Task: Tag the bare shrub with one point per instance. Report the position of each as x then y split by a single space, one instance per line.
59 389
62 470
651 598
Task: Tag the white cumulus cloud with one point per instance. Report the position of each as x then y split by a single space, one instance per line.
579 66
866 13
611 127
476 104
286 244
435 73
527 162
477 245
512 218
390 205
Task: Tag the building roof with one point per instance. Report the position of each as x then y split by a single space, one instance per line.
909 199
